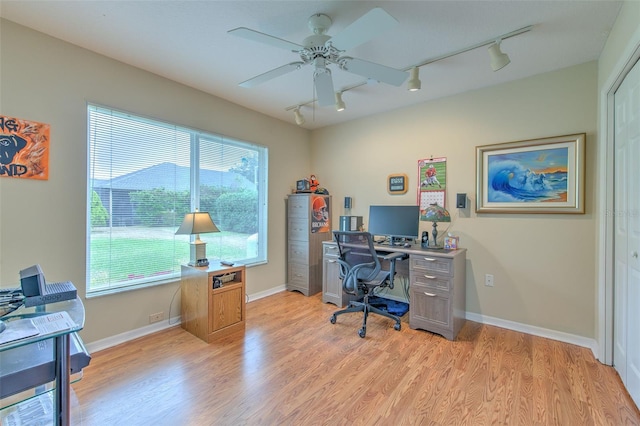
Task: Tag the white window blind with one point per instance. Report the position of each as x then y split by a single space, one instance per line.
144 175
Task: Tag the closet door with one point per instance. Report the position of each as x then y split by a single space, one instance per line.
627 233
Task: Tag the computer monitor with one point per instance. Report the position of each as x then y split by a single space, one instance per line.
394 222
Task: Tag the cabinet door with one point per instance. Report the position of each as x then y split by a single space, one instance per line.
226 307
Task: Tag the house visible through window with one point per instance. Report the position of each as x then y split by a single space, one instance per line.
144 175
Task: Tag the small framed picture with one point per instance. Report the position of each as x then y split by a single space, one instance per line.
397 183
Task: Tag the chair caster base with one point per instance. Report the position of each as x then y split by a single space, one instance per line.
397 326
332 319
362 332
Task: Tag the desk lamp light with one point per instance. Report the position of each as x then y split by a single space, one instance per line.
435 213
197 223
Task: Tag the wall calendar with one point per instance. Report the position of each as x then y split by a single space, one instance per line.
433 183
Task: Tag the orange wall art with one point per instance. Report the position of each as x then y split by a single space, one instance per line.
24 148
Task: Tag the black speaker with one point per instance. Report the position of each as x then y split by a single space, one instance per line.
347 202
461 201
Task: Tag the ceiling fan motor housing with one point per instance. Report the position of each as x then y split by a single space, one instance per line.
317 46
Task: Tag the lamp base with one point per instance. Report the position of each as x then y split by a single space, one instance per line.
434 232
198 253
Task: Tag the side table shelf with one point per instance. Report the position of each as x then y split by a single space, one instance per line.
212 313
38 370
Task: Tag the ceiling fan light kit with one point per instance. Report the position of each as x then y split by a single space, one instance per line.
322 50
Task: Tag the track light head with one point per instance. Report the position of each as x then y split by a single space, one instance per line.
299 117
414 84
340 106
499 60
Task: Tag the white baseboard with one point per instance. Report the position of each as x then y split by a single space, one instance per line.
270 292
573 339
132 334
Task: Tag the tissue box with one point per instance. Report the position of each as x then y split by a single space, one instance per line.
451 243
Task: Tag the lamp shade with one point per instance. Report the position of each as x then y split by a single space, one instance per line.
435 213
197 223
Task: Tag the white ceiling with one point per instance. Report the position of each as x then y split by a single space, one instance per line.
187 41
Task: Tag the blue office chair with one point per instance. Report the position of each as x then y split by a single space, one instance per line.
362 274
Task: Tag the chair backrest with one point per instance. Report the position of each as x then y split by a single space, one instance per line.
358 259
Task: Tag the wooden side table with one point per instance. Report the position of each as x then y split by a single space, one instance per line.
212 313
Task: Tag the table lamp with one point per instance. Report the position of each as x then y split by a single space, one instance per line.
197 223
435 213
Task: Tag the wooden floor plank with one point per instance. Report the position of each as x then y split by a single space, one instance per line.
293 367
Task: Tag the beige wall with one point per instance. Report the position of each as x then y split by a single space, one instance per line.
544 265
46 80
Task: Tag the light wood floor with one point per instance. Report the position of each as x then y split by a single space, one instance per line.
293 367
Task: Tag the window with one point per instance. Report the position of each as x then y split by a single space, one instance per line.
144 175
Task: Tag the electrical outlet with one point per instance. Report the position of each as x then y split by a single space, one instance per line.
158 316
488 280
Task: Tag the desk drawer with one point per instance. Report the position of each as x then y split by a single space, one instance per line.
425 282
430 310
439 265
330 250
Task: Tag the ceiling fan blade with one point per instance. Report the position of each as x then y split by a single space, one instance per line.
375 71
324 87
363 29
276 72
265 38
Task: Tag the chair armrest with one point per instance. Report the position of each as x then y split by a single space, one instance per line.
395 256
392 257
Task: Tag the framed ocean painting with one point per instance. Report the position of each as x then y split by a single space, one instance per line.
532 176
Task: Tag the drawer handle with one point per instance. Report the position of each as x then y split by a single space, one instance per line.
429 259
429 294
431 277
331 261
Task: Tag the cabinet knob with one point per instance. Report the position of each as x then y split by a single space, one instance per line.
634 254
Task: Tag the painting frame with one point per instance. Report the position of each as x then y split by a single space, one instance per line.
545 175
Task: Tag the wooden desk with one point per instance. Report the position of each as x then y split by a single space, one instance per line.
437 281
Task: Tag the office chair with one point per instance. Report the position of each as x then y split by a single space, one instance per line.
361 273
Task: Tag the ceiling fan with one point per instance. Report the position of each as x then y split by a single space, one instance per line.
322 50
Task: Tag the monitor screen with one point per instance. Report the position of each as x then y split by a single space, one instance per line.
394 221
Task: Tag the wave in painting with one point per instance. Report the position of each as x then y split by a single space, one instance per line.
510 182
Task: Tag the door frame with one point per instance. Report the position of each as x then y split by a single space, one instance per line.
605 203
